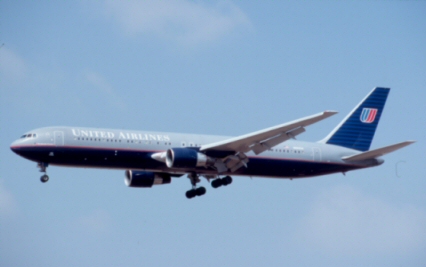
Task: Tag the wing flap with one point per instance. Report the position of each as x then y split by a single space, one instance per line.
260 141
377 152
270 143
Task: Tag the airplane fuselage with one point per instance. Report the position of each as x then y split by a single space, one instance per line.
133 150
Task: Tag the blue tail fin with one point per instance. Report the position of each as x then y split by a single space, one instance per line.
357 130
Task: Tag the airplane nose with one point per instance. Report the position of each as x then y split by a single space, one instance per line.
14 147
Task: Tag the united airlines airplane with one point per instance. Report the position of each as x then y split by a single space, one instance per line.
154 158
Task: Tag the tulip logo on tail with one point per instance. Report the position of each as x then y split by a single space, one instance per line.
368 115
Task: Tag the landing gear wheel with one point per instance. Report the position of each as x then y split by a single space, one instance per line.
191 193
227 180
200 191
217 183
224 181
196 192
44 178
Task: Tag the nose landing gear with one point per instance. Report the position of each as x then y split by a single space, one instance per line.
42 166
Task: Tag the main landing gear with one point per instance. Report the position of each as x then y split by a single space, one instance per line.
201 190
195 191
222 181
42 166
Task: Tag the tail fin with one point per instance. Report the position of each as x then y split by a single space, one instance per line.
357 130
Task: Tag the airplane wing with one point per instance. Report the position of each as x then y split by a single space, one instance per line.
263 140
377 152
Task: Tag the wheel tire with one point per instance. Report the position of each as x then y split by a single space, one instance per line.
44 178
227 180
190 193
217 183
200 191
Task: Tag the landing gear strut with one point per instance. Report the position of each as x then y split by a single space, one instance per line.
42 166
195 191
222 181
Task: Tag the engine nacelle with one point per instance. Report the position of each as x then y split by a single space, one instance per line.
145 179
187 158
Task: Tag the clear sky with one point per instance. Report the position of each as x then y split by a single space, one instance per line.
212 67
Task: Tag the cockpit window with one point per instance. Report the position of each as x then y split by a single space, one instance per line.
29 136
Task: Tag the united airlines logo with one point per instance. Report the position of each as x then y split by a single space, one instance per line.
120 135
368 115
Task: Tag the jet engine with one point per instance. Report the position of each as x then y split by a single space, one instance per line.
145 179
187 158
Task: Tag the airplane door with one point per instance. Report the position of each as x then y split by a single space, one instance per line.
316 154
59 138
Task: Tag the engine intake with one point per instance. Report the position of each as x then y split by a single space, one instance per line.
187 158
145 179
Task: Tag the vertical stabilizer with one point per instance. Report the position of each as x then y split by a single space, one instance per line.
357 130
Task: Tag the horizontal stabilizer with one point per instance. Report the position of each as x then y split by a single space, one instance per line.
377 152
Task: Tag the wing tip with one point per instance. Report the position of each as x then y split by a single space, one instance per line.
330 112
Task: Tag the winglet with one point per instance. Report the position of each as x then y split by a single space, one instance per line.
377 152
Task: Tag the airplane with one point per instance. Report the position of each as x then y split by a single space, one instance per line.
154 158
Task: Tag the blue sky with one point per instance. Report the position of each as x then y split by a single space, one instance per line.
217 67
